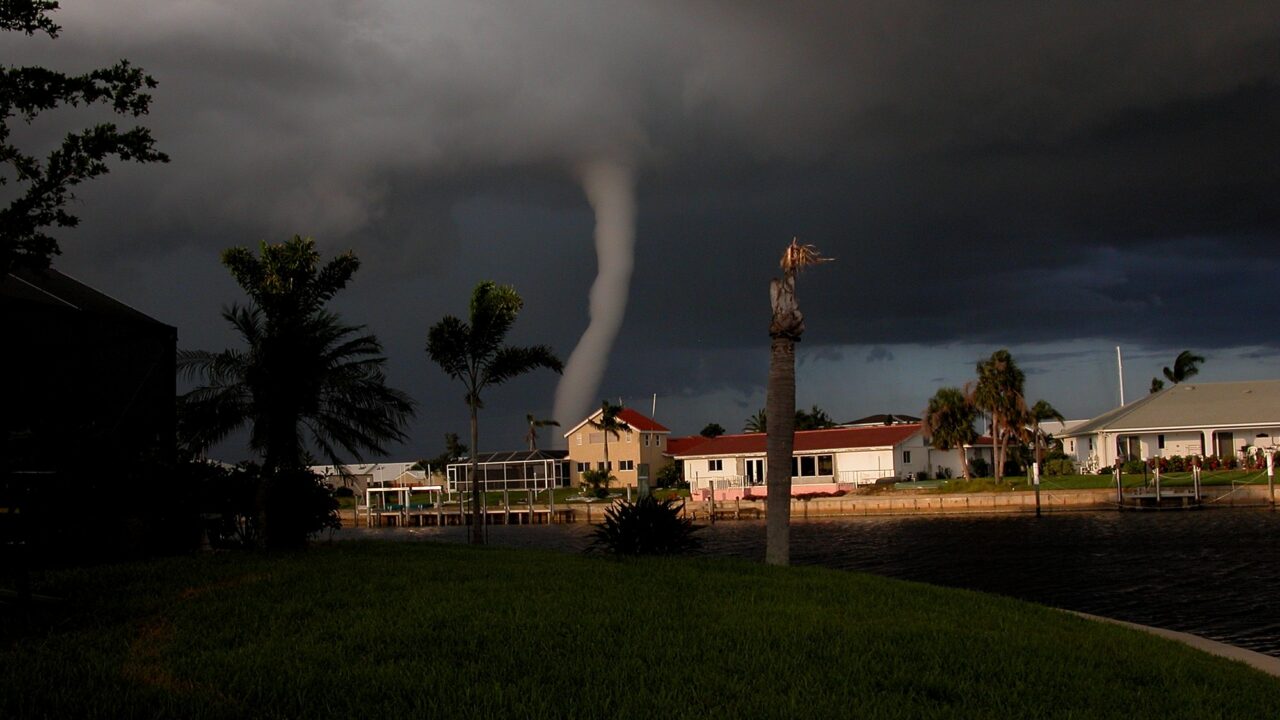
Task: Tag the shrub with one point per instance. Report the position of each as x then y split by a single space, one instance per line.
1059 466
1134 467
646 527
597 482
344 492
978 467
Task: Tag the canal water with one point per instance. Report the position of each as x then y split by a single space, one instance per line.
1212 573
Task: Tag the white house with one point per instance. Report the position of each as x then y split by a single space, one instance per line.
360 476
1225 419
823 460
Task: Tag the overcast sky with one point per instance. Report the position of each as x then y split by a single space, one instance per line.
1057 179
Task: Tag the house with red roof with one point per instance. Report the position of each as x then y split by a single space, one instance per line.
637 452
823 461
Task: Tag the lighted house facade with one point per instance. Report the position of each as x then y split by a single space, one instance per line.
733 466
1225 419
637 452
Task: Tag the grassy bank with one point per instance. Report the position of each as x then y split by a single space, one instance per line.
422 630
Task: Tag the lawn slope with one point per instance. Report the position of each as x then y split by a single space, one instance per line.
426 630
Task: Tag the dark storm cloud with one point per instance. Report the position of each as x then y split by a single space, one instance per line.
998 172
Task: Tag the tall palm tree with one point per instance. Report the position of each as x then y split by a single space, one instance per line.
757 423
815 418
609 424
303 376
998 392
1185 367
1040 412
949 422
474 353
785 329
534 424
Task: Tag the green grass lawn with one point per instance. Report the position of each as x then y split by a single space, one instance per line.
426 630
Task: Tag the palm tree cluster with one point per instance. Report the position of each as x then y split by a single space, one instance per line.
999 393
303 379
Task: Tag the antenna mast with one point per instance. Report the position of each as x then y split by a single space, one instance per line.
1120 367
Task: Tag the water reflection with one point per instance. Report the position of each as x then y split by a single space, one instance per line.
1213 573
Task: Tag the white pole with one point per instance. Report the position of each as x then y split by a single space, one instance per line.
653 413
1120 366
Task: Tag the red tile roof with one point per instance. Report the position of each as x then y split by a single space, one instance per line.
806 440
640 422
676 446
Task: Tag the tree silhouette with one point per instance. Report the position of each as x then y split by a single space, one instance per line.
302 376
534 424
473 351
39 189
999 393
949 422
785 329
609 424
1185 367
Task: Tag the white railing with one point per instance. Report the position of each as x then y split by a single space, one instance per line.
863 477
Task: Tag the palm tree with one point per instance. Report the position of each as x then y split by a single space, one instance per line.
949 422
785 329
712 430
473 352
534 424
815 418
1156 385
999 393
757 423
1040 412
609 424
1185 367
303 375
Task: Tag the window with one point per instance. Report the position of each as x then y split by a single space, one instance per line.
1091 444
1071 446
715 465
626 464
645 438
1160 441
906 456
811 466
579 438
584 466
628 434
808 466
606 466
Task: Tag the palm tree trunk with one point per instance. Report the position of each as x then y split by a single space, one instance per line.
997 450
780 408
477 515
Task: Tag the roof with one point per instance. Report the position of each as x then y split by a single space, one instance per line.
515 456
885 419
632 418
678 445
806 440
51 289
1193 405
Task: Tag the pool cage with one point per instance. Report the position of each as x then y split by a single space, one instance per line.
519 470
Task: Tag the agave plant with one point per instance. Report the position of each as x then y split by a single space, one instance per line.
646 527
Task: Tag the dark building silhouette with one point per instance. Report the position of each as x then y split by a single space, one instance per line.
88 413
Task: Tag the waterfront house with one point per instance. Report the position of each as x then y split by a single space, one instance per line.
1227 419
637 452
823 461
361 476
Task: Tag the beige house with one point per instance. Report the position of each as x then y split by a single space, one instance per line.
637 451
